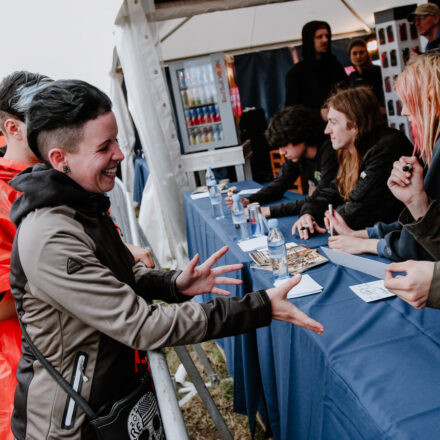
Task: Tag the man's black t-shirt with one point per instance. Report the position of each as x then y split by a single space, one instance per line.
320 170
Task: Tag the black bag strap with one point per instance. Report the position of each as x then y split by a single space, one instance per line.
57 376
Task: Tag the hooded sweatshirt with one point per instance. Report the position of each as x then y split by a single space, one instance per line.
10 333
8 170
310 82
83 300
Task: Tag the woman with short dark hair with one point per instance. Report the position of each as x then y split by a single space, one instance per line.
78 291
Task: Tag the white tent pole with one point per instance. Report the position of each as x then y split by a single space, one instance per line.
358 17
161 212
175 28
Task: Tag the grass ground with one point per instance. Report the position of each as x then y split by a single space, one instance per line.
197 420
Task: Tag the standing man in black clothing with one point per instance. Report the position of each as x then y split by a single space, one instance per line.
310 81
295 131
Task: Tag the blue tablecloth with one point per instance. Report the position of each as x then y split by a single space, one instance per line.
373 374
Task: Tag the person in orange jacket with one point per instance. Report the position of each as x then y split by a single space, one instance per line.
16 91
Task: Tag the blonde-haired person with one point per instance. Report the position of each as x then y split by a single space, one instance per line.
366 150
419 89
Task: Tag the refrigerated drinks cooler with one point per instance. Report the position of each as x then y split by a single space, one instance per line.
205 104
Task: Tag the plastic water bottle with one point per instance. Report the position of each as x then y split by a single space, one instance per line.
216 200
239 219
209 177
277 250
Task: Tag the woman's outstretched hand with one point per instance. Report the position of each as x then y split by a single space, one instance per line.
284 310
196 280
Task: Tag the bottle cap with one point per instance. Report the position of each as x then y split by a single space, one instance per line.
273 223
235 197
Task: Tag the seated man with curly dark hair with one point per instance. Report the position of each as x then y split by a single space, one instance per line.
296 132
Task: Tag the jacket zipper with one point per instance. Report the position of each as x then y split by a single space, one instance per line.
78 377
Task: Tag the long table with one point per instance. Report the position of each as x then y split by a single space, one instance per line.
373 374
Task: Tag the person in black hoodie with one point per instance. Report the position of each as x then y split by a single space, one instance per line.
311 81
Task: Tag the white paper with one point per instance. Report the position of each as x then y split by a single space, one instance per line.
307 286
253 243
200 195
248 191
372 291
364 265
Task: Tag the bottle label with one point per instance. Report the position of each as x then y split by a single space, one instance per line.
239 218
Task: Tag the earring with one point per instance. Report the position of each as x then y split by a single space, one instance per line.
66 169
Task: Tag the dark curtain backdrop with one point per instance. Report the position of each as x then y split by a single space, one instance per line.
260 77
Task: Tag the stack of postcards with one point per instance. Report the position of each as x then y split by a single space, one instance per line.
299 257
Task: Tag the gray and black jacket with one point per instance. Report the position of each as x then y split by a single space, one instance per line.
83 300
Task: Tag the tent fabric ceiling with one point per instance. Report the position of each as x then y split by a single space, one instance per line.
253 28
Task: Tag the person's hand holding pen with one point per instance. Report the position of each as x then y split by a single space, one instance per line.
406 184
306 225
346 239
333 220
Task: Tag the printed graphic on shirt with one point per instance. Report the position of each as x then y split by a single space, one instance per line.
144 418
317 175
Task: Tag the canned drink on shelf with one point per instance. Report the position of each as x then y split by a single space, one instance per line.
217 113
254 219
181 78
188 118
199 113
209 134
192 138
205 112
193 116
190 97
197 136
184 97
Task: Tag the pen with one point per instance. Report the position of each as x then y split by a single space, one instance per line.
408 167
330 208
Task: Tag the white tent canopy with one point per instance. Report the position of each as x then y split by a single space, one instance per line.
256 27
148 35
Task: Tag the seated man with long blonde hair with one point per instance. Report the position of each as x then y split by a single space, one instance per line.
419 89
366 150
